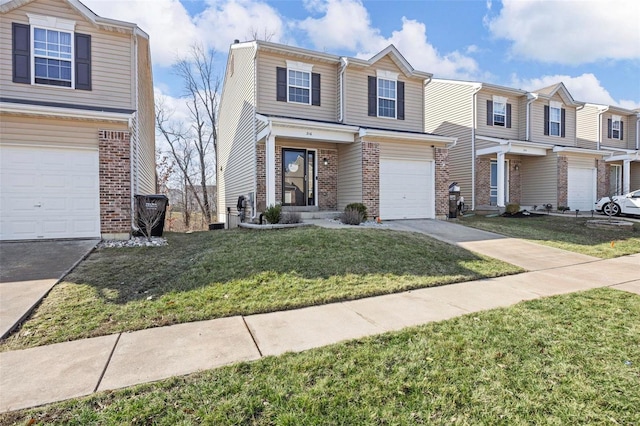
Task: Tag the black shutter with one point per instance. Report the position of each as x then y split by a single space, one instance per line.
400 112
509 116
83 61
609 127
315 89
281 78
489 113
546 120
373 96
21 53
621 128
563 113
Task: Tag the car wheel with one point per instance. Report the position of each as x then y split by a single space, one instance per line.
611 209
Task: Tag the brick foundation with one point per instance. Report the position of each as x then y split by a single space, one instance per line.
604 178
563 181
261 187
483 181
371 177
115 183
442 182
515 181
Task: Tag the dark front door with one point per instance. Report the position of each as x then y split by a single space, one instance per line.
298 177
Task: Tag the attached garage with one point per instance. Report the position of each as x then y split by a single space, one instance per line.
407 181
49 193
581 188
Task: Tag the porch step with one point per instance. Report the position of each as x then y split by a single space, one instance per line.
319 215
484 210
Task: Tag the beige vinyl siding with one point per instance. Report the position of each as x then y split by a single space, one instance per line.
587 127
628 128
522 118
634 182
349 173
299 143
356 94
406 150
236 150
632 132
111 65
146 183
448 112
537 124
497 131
581 161
539 180
53 132
267 85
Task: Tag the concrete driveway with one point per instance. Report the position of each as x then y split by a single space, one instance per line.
28 270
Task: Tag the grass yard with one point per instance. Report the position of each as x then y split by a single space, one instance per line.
567 233
565 360
217 274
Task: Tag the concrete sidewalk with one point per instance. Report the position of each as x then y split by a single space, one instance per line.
61 371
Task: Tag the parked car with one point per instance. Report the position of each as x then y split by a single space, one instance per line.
622 204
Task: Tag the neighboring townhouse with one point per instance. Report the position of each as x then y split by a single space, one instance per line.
615 130
314 132
513 146
77 137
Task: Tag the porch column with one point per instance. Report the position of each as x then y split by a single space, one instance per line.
270 169
500 176
626 176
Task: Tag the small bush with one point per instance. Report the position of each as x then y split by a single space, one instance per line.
512 208
273 213
290 217
360 208
563 208
351 216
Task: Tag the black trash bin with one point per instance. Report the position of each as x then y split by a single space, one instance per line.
151 202
454 196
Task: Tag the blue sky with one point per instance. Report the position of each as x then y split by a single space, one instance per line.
591 46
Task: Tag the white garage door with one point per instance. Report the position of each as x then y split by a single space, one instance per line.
406 189
48 193
581 188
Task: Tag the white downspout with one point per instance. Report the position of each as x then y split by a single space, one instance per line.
531 97
474 124
638 131
344 62
254 210
601 111
133 138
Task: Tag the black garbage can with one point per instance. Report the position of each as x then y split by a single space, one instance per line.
454 196
150 204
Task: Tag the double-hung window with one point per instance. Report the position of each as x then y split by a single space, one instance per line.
555 118
499 112
386 98
52 57
615 128
299 82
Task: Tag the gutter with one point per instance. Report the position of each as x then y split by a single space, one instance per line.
601 111
474 124
531 97
344 63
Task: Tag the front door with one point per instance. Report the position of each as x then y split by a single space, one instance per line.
493 191
298 177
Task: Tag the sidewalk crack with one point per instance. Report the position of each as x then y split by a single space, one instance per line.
104 370
255 342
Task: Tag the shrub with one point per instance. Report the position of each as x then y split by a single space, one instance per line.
512 208
563 208
360 208
290 217
351 216
273 213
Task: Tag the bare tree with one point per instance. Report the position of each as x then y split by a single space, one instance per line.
202 87
264 35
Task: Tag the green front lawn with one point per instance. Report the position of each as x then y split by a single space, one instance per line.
567 233
217 274
565 360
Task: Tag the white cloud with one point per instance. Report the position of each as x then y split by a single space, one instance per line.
172 30
570 32
346 25
584 88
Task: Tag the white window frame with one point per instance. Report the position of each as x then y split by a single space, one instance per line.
615 130
615 173
59 25
499 100
555 106
392 77
302 68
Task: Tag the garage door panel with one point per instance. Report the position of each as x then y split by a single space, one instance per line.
49 193
406 189
581 188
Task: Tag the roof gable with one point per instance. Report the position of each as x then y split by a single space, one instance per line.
559 89
400 61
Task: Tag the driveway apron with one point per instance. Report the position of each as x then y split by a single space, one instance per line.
28 270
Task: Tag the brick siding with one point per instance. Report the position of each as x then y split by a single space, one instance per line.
442 182
515 181
115 181
563 181
261 187
604 178
371 177
483 181
327 185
